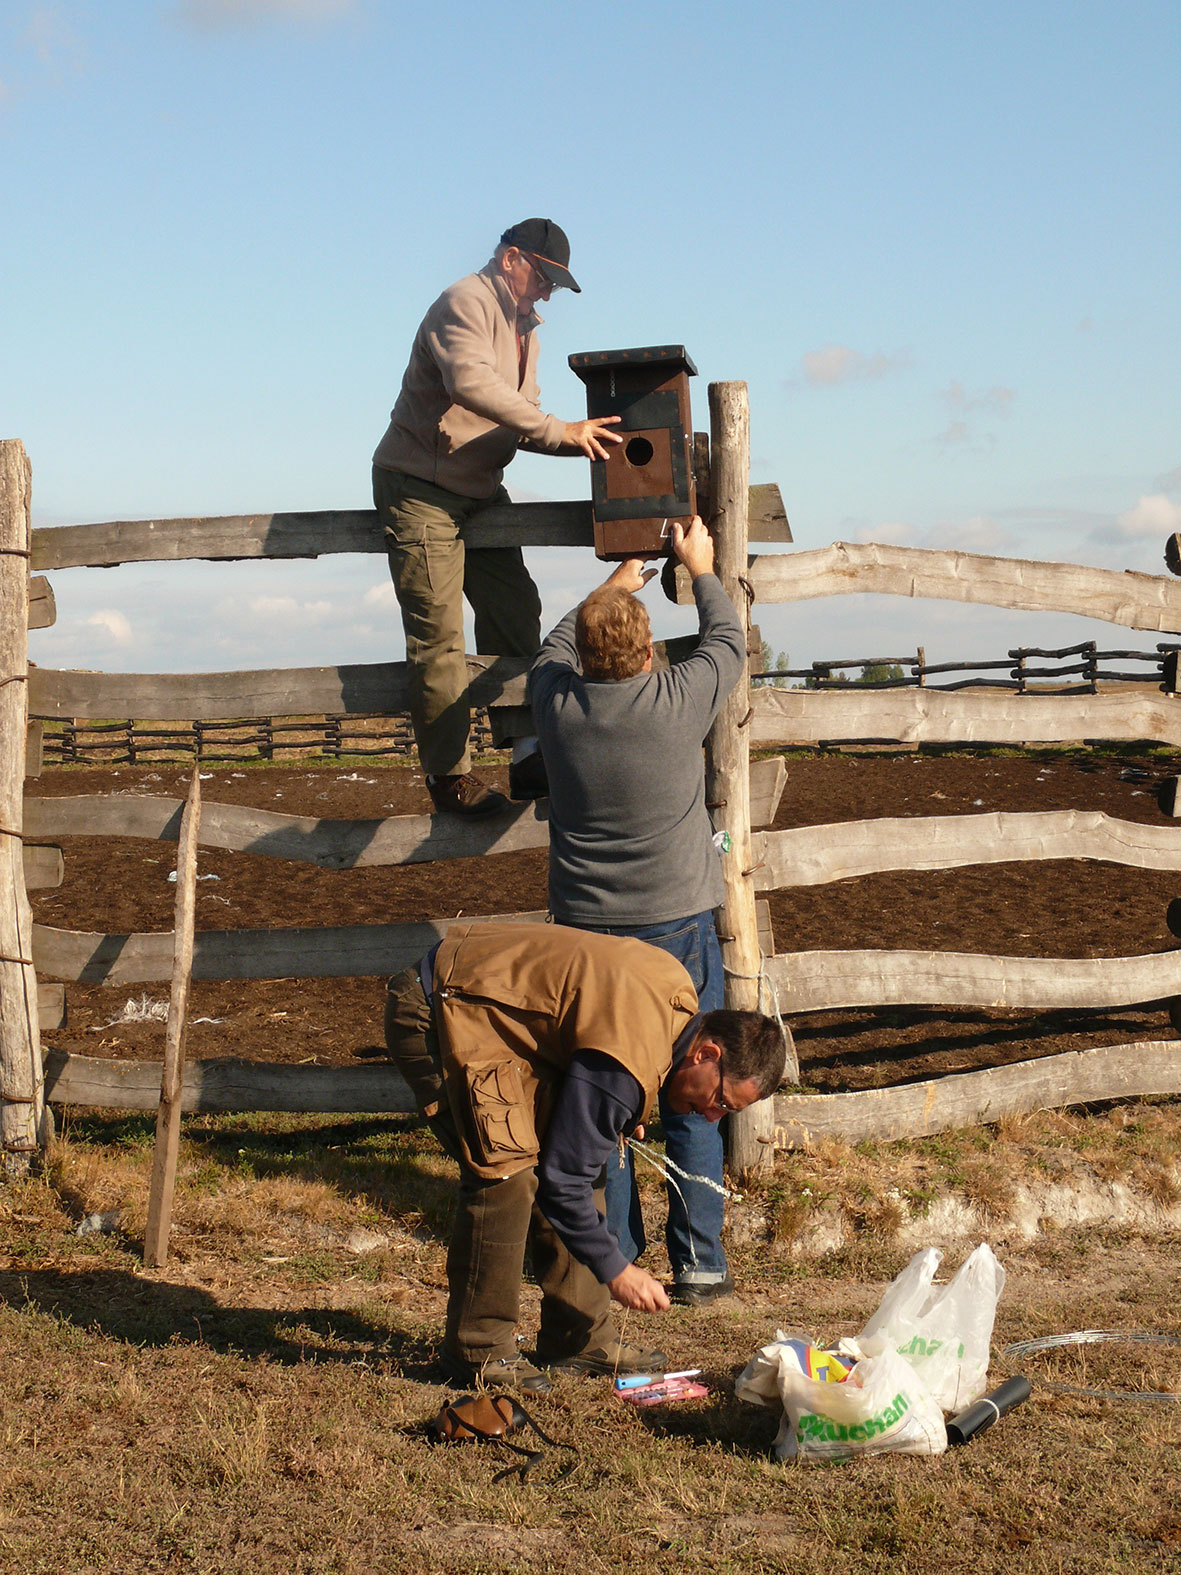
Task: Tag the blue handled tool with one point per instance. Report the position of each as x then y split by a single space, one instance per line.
642 1380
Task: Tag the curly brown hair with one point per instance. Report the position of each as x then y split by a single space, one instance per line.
612 634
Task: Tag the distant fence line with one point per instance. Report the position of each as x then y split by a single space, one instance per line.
75 740
902 672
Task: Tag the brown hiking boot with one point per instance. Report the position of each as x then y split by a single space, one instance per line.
608 1359
465 795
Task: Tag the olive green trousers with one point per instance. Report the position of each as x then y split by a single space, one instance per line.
432 572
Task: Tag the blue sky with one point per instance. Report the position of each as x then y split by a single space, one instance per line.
939 241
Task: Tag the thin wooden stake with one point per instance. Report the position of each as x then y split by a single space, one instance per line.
168 1115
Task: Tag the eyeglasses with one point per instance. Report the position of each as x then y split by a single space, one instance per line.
546 283
721 1100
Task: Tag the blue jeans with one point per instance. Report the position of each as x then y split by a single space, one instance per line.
694 1231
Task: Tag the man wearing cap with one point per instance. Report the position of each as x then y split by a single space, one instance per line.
469 400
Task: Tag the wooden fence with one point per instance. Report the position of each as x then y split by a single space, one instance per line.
755 860
1075 669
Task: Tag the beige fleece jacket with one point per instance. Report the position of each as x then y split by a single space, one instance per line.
464 406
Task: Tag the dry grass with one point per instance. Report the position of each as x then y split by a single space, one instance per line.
258 1406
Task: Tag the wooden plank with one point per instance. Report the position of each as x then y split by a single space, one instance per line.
914 716
763 923
768 517
51 1005
214 1086
23 1128
362 688
44 867
1148 1067
42 607
967 1099
1136 601
331 844
820 980
768 778
307 535
34 749
163 1180
814 855
345 952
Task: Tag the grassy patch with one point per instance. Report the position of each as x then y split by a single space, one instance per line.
259 1405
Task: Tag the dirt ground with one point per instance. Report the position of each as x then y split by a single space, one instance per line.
1050 909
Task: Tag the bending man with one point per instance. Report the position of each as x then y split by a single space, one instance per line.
532 1050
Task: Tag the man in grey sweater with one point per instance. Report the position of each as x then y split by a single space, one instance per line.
631 843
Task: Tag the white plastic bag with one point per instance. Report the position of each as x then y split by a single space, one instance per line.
943 1331
882 1406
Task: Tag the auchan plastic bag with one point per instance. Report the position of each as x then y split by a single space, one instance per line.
881 1406
943 1331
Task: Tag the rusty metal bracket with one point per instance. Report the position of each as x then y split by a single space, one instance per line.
753 868
746 719
749 589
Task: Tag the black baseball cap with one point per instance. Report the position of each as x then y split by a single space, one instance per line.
546 243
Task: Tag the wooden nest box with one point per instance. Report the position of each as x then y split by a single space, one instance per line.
647 480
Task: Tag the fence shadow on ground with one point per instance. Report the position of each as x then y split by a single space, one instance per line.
124 1306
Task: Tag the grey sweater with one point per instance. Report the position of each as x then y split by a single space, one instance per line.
631 841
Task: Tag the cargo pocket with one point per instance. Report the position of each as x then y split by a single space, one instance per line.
502 1120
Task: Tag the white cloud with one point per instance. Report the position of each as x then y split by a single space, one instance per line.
380 595
1153 516
287 610
839 364
232 13
892 533
979 533
115 623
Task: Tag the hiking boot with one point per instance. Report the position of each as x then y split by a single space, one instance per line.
465 795
610 1358
499 1372
700 1293
527 778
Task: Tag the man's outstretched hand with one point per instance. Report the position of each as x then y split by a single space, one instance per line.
693 546
635 1288
590 435
631 575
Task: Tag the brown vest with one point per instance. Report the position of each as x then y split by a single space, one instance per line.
515 1002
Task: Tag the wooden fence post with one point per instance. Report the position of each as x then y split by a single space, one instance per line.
163 1181
727 754
24 1127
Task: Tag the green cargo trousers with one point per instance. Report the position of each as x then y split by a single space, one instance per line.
494 1220
432 573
